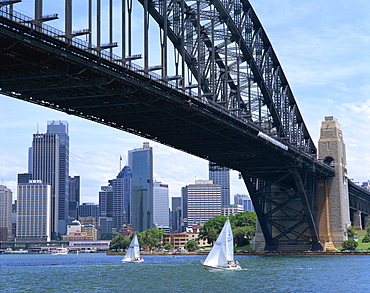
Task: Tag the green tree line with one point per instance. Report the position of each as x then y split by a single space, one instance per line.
242 224
148 239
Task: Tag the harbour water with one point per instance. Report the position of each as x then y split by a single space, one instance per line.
97 272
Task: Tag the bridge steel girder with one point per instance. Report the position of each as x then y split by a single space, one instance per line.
209 21
40 66
287 214
359 198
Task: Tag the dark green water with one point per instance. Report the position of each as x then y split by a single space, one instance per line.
102 273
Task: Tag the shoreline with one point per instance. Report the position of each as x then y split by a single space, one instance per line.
275 253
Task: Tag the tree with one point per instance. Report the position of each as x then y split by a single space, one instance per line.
208 234
366 239
120 242
351 232
168 246
191 245
243 219
243 235
109 236
150 238
349 245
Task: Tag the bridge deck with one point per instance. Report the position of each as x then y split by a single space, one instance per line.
42 69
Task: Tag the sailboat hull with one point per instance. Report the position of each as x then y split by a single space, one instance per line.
228 268
133 260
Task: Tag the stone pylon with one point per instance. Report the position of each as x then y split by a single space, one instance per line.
357 222
333 216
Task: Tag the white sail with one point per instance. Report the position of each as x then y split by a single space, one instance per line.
222 253
133 252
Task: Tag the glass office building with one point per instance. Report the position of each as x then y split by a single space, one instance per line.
140 161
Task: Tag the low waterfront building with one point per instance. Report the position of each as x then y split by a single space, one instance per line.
178 240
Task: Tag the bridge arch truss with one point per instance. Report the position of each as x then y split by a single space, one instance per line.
224 47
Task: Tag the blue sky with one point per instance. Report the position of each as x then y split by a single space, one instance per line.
323 47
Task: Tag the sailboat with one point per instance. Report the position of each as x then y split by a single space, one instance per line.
133 252
221 255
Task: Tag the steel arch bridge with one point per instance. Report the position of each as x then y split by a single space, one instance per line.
222 96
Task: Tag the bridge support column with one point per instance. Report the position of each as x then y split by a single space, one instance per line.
334 201
357 221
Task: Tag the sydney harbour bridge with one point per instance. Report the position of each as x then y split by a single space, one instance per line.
216 91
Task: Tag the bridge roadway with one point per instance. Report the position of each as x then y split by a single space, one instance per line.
40 66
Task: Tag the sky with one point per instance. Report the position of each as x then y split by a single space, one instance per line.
323 47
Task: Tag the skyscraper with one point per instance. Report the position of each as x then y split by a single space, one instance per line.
106 201
141 163
121 198
221 175
74 196
45 167
161 216
61 129
245 201
6 197
203 201
176 214
34 211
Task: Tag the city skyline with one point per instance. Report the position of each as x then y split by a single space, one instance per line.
328 74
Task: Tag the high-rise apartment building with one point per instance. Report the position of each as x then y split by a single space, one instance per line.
161 217
221 175
34 211
45 167
141 163
121 187
6 197
74 196
61 129
203 200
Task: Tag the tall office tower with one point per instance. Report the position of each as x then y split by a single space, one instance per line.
74 196
30 160
121 198
141 163
45 167
88 210
61 129
106 201
184 209
176 214
221 175
161 215
245 201
34 211
203 201
6 197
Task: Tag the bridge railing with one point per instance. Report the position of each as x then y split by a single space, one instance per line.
83 45
59 35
